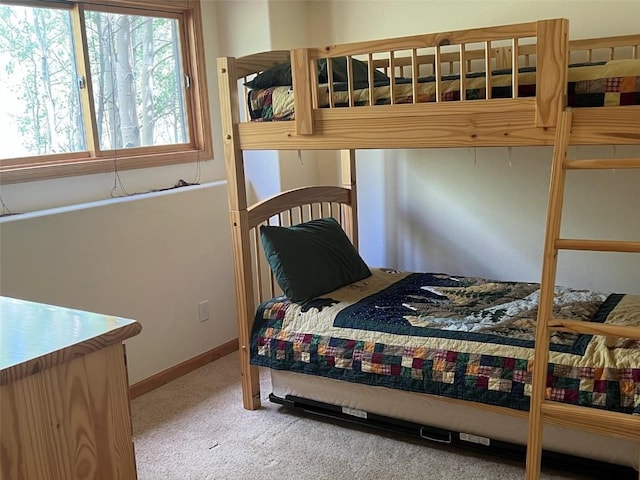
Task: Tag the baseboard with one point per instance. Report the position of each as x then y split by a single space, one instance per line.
161 378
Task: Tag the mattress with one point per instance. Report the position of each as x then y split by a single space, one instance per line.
604 84
463 338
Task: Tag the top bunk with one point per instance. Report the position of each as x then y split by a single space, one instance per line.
495 86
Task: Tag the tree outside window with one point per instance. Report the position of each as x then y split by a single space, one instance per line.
85 83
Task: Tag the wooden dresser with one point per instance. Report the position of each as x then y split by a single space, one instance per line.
64 394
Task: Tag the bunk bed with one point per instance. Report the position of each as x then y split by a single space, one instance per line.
497 86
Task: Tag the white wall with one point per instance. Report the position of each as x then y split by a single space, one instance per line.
152 258
242 26
289 24
482 212
272 25
373 19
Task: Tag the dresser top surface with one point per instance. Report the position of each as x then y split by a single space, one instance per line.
30 330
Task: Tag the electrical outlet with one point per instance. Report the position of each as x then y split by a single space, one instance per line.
203 310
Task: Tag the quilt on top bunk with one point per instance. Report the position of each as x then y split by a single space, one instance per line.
612 83
459 337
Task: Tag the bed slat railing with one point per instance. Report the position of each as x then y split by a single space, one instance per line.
395 62
330 75
370 75
438 74
606 48
392 77
515 58
349 80
499 58
308 96
465 66
415 67
487 68
502 49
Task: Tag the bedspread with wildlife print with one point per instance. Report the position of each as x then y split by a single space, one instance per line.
460 337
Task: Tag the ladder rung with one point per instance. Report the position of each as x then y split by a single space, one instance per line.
598 245
604 422
602 163
594 328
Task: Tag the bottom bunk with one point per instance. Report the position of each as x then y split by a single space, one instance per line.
392 343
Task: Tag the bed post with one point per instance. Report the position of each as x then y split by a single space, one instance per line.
348 179
236 188
552 58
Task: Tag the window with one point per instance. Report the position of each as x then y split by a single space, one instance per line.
91 82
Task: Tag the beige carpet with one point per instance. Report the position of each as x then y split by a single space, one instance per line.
195 428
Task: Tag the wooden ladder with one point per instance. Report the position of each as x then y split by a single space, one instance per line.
590 419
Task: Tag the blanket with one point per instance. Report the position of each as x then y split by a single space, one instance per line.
460 337
612 83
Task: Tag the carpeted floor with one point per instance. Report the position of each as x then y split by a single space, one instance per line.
195 428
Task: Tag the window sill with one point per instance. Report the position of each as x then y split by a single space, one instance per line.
109 201
10 174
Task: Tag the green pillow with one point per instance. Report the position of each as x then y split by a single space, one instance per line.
280 75
360 72
311 258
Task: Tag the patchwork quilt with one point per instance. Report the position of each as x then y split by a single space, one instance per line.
460 337
612 83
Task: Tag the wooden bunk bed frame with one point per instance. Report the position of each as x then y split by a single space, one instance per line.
530 121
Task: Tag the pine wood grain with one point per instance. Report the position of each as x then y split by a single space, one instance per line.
304 85
545 303
474 35
498 122
603 422
541 410
64 398
264 210
552 60
69 422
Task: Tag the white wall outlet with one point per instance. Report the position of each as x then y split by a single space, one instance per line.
203 310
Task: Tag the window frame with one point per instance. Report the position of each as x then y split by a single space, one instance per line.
93 161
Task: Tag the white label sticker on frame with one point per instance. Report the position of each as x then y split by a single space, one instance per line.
354 412
475 439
